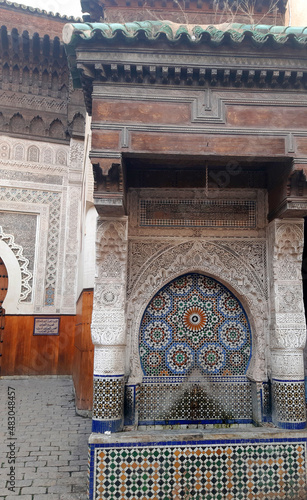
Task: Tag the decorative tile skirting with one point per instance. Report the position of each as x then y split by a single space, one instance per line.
108 403
289 407
129 404
243 469
205 402
266 401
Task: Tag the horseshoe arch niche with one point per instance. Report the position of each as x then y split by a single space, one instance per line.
210 259
195 347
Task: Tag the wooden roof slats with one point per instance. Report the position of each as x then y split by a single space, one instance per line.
35 11
21 43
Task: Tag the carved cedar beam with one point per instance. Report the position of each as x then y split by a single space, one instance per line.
189 75
109 193
192 76
294 188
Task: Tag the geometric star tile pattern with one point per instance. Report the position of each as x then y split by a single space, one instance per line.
108 394
218 401
200 471
194 322
284 395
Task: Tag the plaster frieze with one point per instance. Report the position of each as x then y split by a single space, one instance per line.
108 327
290 337
35 154
109 360
289 364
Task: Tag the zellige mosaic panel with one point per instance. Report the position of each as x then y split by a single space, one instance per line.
245 471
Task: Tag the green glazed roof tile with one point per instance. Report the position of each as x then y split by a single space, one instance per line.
153 31
75 34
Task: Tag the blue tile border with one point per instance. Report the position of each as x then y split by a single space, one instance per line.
91 471
195 422
288 381
101 426
292 425
206 442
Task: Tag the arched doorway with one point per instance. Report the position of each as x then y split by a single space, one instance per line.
195 347
3 292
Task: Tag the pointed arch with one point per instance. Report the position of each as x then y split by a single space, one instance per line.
46 46
33 154
17 123
61 157
4 38
56 47
37 126
6 73
15 75
78 124
36 46
25 76
57 130
15 40
48 156
19 152
25 43
35 77
54 80
45 79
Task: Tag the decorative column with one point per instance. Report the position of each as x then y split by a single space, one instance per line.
109 324
288 330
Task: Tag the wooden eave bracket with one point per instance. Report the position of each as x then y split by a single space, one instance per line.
172 74
110 204
105 164
294 205
289 208
109 192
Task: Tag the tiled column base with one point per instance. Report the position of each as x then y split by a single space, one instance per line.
197 465
108 403
130 404
289 406
257 392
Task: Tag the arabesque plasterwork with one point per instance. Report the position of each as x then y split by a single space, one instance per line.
288 324
26 275
40 177
109 318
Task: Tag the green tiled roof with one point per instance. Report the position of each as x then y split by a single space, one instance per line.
36 11
216 35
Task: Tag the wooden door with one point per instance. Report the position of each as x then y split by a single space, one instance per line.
3 292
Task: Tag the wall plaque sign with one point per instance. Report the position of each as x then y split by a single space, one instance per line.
46 326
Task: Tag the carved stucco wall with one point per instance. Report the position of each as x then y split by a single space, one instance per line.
238 261
287 322
40 192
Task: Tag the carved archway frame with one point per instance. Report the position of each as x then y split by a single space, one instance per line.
213 258
11 301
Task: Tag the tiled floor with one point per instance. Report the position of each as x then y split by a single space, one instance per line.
48 440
